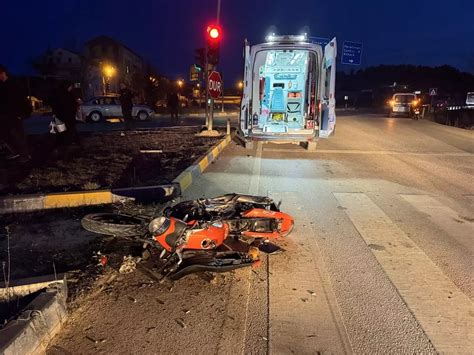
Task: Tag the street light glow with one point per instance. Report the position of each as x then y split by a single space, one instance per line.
109 70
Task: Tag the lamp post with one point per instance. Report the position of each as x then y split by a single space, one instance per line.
180 83
108 71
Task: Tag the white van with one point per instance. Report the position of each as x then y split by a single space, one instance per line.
288 92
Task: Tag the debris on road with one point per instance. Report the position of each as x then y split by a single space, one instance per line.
180 321
151 151
129 264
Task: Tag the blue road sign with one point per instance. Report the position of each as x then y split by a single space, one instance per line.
351 53
320 40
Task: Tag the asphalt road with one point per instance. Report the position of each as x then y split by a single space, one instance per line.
380 261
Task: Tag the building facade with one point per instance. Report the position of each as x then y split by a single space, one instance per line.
101 54
60 64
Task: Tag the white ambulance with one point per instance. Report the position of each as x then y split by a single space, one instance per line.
288 92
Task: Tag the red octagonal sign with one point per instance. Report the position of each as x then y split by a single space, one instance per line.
215 84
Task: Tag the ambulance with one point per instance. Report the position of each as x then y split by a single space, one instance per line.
288 93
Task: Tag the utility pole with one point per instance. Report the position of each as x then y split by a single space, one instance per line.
206 81
222 95
213 38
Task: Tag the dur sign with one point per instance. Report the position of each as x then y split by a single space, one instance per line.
215 84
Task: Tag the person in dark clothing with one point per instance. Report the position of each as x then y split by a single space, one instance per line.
14 105
126 101
64 104
173 103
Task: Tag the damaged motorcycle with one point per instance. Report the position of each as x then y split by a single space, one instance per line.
217 235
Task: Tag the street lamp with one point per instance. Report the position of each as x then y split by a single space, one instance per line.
240 85
108 72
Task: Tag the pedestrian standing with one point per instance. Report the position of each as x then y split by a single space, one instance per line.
173 104
64 104
14 106
126 101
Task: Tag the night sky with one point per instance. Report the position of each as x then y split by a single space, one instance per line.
165 32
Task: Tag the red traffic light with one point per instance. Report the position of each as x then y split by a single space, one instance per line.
214 33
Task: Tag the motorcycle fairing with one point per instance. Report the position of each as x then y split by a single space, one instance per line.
171 235
216 262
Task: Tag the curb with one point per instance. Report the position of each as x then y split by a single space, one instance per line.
39 321
38 202
185 179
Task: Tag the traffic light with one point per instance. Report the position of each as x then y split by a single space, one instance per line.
214 37
200 57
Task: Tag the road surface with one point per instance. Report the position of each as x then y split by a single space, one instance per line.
380 261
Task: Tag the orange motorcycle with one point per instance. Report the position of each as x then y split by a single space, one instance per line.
217 235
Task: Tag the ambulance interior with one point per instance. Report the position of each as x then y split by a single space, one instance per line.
284 91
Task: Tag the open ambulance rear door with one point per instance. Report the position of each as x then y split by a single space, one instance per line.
328 100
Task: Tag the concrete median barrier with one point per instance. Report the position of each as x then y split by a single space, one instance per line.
28 203
38 322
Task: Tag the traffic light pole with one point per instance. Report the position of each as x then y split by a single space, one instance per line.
206 80
211 114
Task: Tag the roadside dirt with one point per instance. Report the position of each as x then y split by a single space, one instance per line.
163 317
129 313
104 160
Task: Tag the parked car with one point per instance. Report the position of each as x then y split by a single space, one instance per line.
96 109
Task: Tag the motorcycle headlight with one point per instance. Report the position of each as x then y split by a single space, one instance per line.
159 225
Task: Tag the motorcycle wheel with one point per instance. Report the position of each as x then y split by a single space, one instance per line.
114 224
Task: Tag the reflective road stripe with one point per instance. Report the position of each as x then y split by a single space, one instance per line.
444 312
447 219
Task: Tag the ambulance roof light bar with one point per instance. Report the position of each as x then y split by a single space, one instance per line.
272 38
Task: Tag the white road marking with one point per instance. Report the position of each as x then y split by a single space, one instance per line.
371 152
444 312
459 227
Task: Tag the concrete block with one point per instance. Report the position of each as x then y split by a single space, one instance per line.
37 324
21 203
